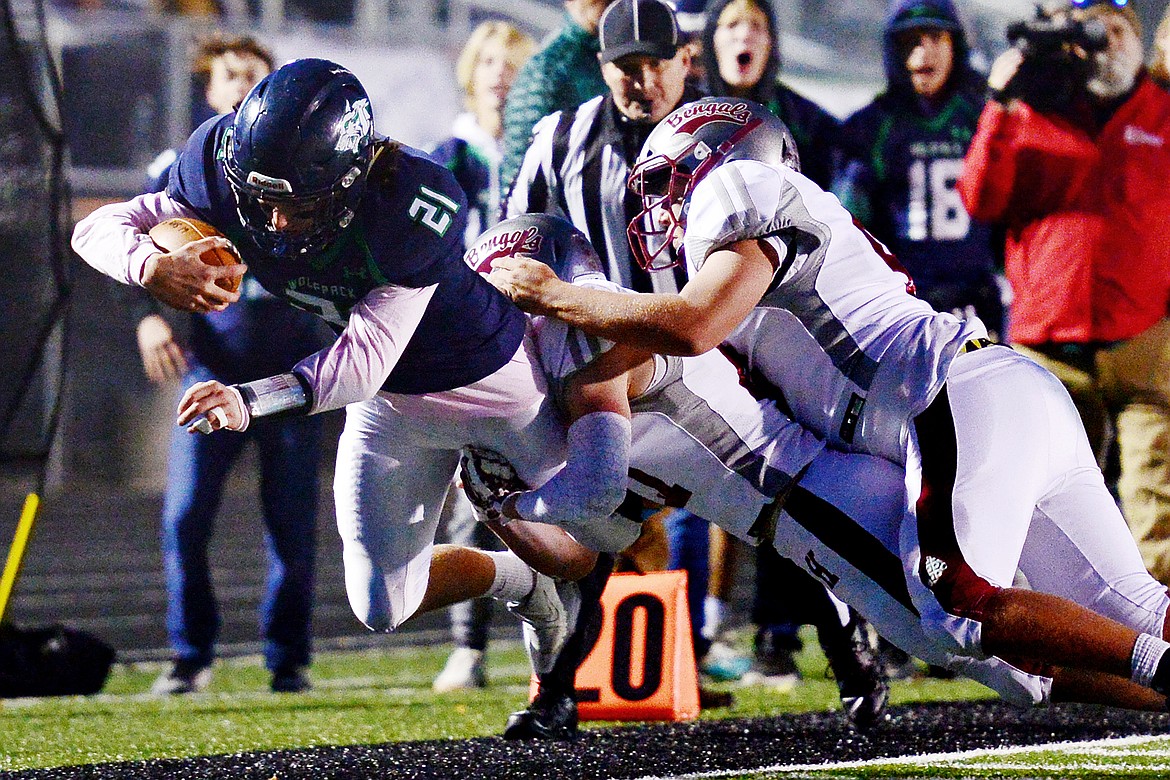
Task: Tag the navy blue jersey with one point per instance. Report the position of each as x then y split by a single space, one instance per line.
408 232
901 180
903 156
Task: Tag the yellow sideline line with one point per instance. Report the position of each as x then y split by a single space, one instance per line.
16 551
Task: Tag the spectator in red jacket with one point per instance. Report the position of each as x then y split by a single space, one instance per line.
1081 190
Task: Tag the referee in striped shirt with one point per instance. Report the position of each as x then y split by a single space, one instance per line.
579 160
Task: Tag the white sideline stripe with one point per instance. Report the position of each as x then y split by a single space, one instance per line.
1095 767
1098 745
1135 753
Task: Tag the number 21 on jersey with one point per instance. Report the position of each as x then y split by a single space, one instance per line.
433 209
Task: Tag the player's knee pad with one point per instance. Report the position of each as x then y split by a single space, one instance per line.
380 613
372 615
383 602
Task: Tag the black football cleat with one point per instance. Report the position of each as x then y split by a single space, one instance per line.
899 664
861 676
550 716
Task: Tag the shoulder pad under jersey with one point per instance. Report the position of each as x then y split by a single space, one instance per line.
739 199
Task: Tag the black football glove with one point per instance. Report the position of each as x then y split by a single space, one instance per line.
488 478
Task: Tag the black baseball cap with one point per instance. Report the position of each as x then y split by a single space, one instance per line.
638 27
926 15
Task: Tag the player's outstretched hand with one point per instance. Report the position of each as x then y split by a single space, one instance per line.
529 283
488 478
210 406
162 356
182 280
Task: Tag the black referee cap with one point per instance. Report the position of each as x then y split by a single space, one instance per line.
638 27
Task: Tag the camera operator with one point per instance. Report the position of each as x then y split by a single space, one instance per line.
1079 183
1052 59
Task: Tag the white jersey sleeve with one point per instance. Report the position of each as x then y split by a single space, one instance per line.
731 204
114 238
854 353
356 365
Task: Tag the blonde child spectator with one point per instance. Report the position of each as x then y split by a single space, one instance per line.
485 70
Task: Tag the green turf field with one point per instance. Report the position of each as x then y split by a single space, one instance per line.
1136 757
378 696
359 697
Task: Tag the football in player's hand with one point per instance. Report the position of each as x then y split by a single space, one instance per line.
175 233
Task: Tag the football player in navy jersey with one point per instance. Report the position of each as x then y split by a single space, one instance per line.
367 234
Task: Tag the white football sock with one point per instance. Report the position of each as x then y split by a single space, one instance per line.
514 579
1147 653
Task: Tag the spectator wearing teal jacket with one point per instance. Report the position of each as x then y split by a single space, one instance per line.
564 74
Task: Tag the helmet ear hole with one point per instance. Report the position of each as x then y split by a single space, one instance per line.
303 137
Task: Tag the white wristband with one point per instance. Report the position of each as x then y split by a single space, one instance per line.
272 395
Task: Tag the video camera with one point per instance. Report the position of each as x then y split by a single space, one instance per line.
1045 35
1057 62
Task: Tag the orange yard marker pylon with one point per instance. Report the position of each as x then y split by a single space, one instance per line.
643 665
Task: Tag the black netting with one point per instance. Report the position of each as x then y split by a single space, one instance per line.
34 277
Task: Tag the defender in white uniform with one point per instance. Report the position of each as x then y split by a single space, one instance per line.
822 313
701 440
855 353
